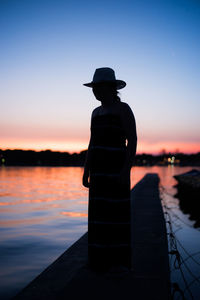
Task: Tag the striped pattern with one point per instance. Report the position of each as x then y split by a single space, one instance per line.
109 201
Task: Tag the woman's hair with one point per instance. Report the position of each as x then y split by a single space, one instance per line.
115 92
117 96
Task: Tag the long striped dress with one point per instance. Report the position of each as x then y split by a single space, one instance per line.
109 200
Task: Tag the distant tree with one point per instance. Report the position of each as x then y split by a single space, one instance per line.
163 152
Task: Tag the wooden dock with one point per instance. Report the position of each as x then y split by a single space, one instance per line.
69 277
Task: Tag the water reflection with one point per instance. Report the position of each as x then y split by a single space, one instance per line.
43 210
74 214
34 189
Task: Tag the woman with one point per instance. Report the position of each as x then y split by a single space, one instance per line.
110 155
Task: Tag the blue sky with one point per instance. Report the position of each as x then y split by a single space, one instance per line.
50 48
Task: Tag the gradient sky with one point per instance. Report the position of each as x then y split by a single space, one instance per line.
49 48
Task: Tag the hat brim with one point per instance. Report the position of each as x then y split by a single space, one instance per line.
120 84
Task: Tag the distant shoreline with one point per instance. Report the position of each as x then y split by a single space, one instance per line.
19 157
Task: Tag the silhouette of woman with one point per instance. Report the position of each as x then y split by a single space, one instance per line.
110 155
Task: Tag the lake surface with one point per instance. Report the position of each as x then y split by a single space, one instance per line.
43 210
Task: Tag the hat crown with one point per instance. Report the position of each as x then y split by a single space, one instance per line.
104 74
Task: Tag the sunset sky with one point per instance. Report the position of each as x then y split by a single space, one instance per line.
49 48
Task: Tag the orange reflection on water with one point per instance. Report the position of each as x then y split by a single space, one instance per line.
73 214
31 201
165 173
11 209
27 193
34 195
36 183
21 221
83 202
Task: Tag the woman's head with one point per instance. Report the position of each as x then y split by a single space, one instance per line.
105 91
105 85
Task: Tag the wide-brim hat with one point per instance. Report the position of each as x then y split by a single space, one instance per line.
105 75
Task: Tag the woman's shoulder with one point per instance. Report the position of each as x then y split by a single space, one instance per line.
120 108
124 105
124 108
95 112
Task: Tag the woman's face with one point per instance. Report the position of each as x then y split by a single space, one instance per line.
103 91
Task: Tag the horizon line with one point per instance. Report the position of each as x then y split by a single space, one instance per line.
161 152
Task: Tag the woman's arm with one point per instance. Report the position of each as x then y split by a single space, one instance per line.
86 172
129 125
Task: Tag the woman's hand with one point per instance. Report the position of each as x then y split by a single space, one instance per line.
124 176
85 179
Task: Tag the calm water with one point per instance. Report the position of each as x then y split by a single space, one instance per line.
43 210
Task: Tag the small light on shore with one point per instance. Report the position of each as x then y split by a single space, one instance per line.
172 159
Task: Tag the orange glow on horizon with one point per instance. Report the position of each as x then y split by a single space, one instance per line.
173 147
80 145
62 146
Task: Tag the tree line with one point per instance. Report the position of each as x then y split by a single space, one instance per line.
19 157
